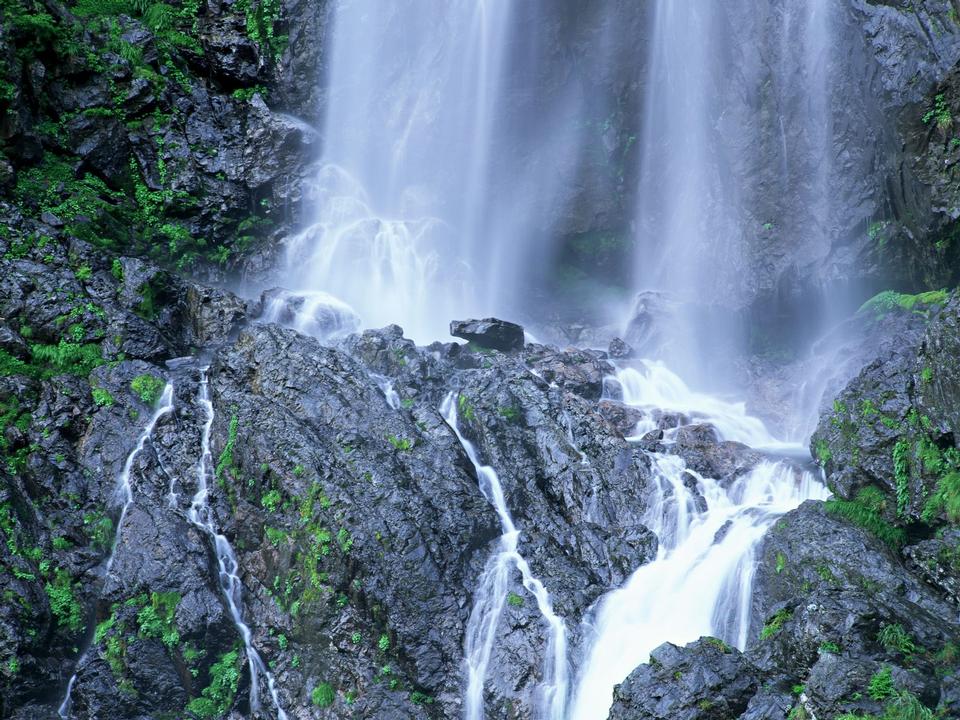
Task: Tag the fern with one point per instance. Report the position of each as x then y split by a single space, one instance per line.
865 512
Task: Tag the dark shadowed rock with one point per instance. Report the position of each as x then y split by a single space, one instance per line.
489 333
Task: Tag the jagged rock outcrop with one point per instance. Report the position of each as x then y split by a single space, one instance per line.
705 680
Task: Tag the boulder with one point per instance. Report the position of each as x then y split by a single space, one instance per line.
489 333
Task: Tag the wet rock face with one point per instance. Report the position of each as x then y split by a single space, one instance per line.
705 680
893 428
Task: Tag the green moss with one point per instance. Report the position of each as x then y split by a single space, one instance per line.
890 301
514 600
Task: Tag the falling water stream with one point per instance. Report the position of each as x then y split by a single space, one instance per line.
701 580
201 515
491 593
124 494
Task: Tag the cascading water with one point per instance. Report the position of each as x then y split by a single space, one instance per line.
449 146
491 593
736 173
701 580
124 493
201 515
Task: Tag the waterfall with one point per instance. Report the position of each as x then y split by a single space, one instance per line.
701 580
124 493
201 515
491 593
451 146
736 174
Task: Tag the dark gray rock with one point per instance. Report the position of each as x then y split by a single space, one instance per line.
489 333
705 680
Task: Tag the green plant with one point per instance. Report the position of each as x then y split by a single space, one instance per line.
940 112
465 409
64 357
356 638
881 684
276 536
865 511
901 474
514 600
781 563
383 644
156 618
323 695
719 644
225 461
401 444
419 698
147 387
904 705
822 451
101 397
271 500
218 696
830 647
894 638
344 540
946 499
63 602
510 414
775 623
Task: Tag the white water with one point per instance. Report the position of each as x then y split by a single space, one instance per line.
124 490
315 313
491 593
64 710
653 386
201 515
450 151
124 493
701 580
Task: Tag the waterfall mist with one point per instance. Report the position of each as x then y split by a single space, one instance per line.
454 145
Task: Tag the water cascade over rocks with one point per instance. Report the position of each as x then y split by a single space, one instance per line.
201 515
702 578
124 493
491 594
